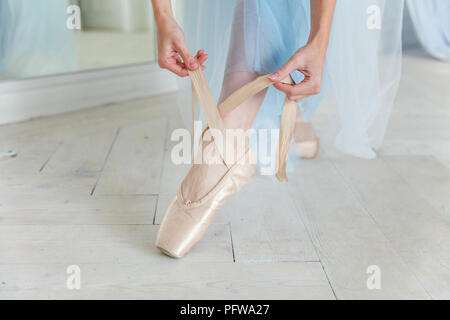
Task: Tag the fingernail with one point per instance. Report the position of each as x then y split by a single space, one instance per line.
193 63
274 76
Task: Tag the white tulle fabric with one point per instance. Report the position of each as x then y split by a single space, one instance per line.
362 69
431 20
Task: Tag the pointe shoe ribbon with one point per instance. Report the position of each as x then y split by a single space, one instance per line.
214 114
185 222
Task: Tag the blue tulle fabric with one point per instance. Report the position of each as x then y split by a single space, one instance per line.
363 63
274 31
431 21
268 33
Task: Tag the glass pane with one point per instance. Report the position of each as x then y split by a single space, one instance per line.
44 37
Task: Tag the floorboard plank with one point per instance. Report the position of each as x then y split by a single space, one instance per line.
265 225
419 234
427 176
176 279
60 209
135 162
82 154
44 185
30 158
77 244
347 240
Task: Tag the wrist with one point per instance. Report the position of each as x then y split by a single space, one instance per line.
164 19
319 42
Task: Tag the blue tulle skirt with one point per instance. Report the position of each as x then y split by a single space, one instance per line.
363 63
273 32
258 37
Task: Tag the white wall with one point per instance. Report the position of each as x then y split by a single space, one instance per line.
30 98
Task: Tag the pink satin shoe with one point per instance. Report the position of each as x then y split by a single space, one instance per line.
308 145
185 222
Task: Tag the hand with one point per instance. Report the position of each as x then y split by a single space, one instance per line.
172 50
310 61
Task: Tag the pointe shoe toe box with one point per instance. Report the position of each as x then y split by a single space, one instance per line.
179 230
185 223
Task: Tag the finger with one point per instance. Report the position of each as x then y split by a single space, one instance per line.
288 89
177 68
298 98
201 59
285 70
189 61
164 60
201 54
181 64
307 87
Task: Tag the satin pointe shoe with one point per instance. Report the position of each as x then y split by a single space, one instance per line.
308 145
186 222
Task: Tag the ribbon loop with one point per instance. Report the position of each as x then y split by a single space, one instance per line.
214 113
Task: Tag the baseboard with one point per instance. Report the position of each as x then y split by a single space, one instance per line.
30 98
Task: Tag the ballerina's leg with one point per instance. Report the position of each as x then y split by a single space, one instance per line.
203 177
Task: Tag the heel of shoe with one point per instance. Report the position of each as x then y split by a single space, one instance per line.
308 149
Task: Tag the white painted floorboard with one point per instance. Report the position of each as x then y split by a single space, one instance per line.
427 176
419 234
113 244
265 225
81 154
37 209
134 164
181 279
347 239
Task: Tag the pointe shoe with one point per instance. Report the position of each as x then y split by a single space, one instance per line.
185 222
307 143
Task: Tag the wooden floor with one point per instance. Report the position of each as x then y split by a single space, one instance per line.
89 189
